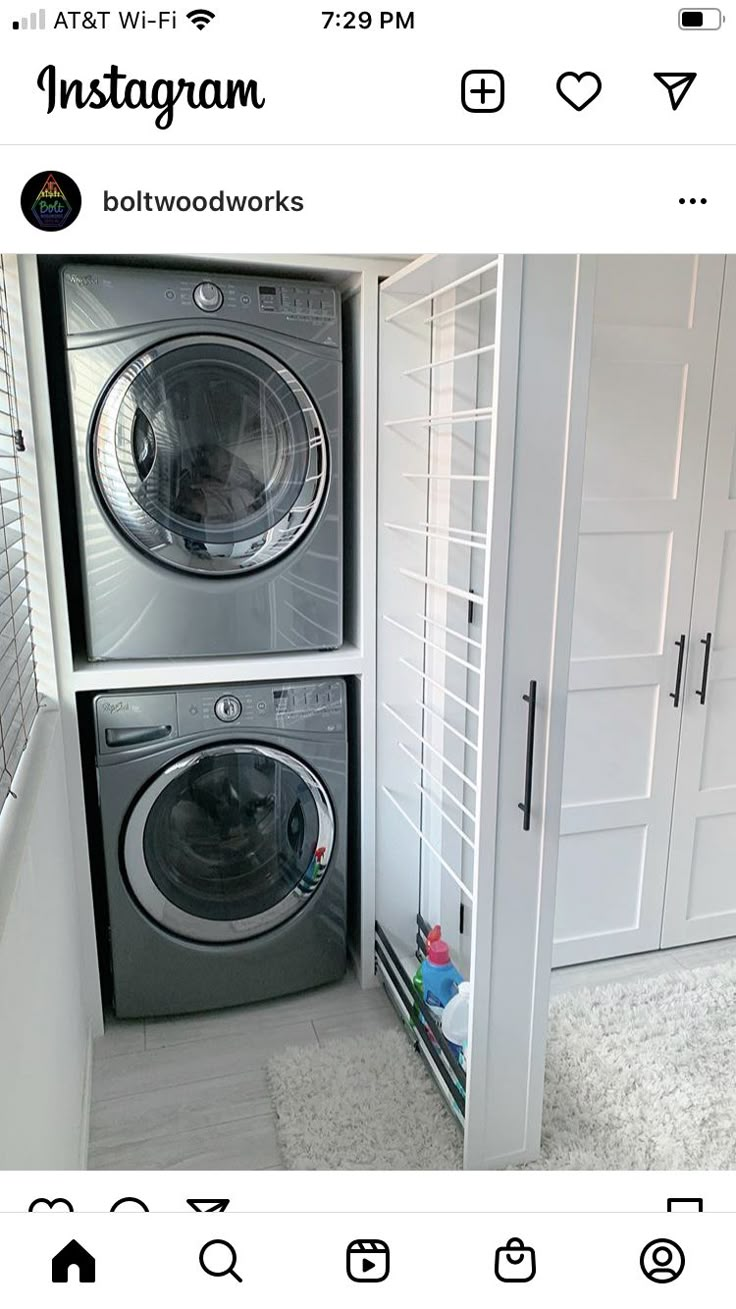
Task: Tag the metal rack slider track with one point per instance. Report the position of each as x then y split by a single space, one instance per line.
422 1043
421 1004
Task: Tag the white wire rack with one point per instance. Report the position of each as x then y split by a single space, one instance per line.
439 352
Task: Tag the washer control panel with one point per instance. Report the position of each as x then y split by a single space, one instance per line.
208 297
306 706
147 721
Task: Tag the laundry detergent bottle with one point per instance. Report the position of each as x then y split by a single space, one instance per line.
455 1019
417 981
440 977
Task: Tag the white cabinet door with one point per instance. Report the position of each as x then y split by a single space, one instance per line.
701 884
527 639
655 331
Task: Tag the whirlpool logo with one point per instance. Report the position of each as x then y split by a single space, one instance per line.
114 706
115 90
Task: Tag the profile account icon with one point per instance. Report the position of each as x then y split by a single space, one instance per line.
662 1260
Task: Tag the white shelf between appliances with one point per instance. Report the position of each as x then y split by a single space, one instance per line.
129 673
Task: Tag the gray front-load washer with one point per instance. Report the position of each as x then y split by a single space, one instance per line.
207 432
224 828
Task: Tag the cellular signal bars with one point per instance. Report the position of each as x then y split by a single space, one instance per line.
34 21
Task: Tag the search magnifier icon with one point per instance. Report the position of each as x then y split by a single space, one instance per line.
218 1259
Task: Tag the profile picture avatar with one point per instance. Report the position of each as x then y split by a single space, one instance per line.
51 200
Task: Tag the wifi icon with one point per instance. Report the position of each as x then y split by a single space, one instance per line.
200 17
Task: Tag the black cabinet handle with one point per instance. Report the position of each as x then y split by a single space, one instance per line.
526 805
706 665
675 695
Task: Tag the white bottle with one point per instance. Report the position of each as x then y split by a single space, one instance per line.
455 1017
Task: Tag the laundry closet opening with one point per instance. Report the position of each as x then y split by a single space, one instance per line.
384 636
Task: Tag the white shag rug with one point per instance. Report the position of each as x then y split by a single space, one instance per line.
639 1076
362 1102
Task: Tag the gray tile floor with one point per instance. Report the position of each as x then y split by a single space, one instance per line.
642 965
191 1092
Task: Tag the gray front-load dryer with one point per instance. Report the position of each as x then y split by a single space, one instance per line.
207 431
224 827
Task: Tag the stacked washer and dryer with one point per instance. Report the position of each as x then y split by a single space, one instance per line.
207 433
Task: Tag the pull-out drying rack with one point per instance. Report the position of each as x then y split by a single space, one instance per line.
440 335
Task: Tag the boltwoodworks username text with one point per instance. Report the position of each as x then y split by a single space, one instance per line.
148 202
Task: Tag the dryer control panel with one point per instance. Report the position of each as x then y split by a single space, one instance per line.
97 298
297 299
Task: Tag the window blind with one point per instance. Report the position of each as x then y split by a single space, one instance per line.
18 692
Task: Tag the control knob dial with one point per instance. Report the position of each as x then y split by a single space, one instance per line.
208 297
228 708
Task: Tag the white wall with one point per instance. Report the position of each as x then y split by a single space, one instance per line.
44 1032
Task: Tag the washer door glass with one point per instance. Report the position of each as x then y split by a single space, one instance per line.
229 842
210 454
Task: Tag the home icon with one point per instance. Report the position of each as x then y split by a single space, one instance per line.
73 1255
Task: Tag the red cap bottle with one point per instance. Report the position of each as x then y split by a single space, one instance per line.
438 951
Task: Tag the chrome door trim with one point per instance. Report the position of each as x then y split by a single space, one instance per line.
173 549
216 931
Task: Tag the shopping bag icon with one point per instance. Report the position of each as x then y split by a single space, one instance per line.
515 1262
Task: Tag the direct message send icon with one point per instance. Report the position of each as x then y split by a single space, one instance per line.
676 85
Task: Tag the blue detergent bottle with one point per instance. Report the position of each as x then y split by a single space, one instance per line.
440 977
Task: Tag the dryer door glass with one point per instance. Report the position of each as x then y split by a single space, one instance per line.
210 455
229 843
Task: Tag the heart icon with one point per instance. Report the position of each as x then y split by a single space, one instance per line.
43 1203
579 89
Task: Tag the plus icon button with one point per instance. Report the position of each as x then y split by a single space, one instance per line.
483 91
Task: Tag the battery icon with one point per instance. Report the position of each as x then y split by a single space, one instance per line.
700 20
